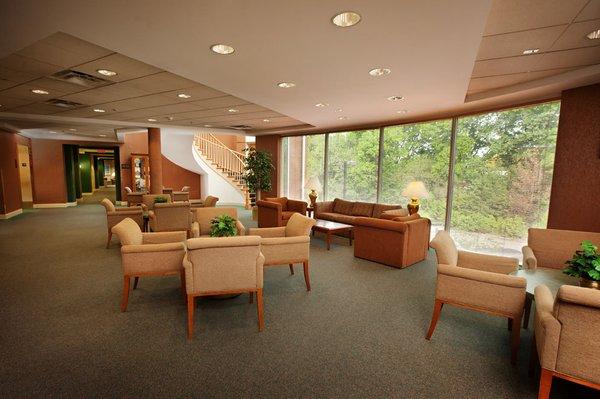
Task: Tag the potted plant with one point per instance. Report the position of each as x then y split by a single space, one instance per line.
223 226
585 264
258 167
160 200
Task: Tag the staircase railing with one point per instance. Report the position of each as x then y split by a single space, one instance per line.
229 162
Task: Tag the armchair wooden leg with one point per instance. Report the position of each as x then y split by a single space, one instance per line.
306 275
135 282
545 384
515 339
292 269
260 309
109 238
190 316
251 297
125 299
437 309
183 287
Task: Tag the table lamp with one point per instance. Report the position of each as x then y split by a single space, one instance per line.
415 190
313 184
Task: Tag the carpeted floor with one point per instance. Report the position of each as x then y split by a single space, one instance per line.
359 333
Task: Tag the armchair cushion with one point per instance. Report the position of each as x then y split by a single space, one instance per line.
164 237
445 248
342 206
299 225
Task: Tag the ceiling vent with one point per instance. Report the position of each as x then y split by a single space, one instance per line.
240 127
79 78
64 103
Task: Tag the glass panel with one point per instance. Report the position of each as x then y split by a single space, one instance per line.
503 174
418 152
352 165
302 166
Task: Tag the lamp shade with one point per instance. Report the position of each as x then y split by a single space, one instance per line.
313 184
415 189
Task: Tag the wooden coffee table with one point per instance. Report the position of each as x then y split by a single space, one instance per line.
552 278
331 228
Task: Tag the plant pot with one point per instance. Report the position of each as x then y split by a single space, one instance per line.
584 282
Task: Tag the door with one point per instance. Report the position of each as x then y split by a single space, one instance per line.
25 174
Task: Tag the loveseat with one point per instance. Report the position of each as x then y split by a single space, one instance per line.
343 211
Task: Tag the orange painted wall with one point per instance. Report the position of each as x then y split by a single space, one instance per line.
9 167
575 196
176 177
136 143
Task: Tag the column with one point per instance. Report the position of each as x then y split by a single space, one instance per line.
155 156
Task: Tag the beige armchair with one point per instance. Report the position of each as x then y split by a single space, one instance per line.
223 265
288 244
208 202
148 200
148 254
180 196
551 248
115 215
201 218
171 217
566 336
478 282
135 198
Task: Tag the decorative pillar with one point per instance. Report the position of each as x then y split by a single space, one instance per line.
155 157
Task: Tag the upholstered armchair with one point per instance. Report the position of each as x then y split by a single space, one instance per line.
180 196
223 265
478 282
128 190
115 215
148 254
135 198
275 212
551 248
185 189
148 200
201 218
288 244
566 336
175 216
208 202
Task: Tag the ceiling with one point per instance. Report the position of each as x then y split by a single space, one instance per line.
445 57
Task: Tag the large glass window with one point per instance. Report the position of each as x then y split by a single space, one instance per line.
503 174
352 165
302 165
417 152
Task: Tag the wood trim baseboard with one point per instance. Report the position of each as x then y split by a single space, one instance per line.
52 205
11 214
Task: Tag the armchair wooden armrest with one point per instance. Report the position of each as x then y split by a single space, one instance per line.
164 237
267 232
487 263
529 259
297 206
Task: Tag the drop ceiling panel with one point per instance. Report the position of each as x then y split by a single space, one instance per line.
494 82
9 102
590 11
219 102
127 68
516 15
105 94
55 86
570 58
513 44
78 46
46 52
5 84
197 93
156 111
87 112
576 36
160 82
20 69
129 104
38 108
23 92
503 66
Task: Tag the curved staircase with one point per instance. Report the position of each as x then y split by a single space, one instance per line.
224 161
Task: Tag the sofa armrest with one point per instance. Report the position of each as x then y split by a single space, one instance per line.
380 224
297 206
322 207
270 205
487 263
529 259
483 276
267 232
164 237
157 247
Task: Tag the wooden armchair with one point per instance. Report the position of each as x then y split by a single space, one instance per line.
201 218
275 212
171 217
208 202
148 200
478 282
551 248
566 336
223 265
287 245
115 215
148 254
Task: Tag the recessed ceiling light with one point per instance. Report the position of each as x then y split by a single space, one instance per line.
222 49
170 118
151 120
39 91
266 120
103 135
52 131
401 111
233 110
99 110
207 125
531 51
395 98
594 35
346 19
106 72
183 95
73 129
286 85
342 118
321 105
339 110
379 71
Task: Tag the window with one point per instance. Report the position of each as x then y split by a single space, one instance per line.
352 165
503 174
418 152
303 159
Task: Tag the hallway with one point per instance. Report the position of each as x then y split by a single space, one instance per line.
98 195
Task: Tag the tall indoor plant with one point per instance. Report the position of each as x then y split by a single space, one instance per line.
585 264
258 170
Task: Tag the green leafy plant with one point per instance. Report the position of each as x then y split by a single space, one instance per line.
160 200
258 170
223 226
585 262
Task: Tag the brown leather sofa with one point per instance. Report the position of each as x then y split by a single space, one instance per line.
276 211
393 242
343 211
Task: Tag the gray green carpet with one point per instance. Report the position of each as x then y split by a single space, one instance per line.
359 333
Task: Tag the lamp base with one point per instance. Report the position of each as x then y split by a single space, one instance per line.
313 198
413 206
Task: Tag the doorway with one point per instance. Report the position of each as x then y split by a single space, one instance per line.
25 176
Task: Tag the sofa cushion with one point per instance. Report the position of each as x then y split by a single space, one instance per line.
285 215
379 208
362 209
342 206
346 219
394 213
280 200
414 216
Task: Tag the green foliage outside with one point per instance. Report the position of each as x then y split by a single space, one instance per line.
503 168
585 262
258 170
223 226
